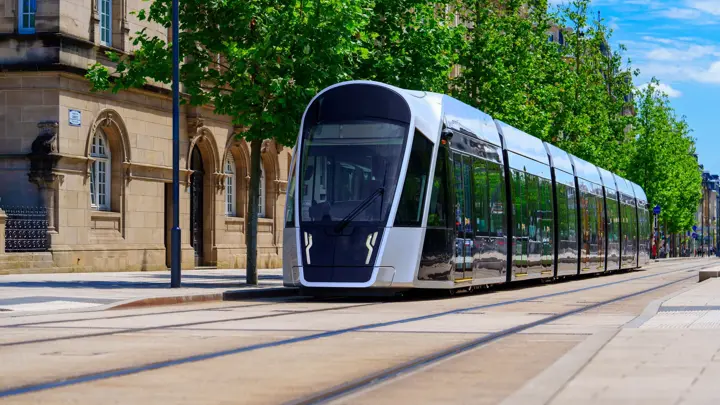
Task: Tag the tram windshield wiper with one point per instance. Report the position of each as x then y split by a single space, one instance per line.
360 208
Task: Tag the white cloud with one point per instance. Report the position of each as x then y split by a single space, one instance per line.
689 53
708 73
663 88
701 12
660 40
708 6
681 13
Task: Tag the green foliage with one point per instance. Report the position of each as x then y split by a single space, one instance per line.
258 62
663 161
412 44
577 96
508 68
261 61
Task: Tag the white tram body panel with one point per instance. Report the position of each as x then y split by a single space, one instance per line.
399 189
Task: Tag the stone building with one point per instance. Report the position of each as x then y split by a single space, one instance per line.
98 165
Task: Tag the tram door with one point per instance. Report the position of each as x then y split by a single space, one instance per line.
462 166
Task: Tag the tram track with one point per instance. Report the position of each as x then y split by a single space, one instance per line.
179 325
125 316
492 288
215 321
388 374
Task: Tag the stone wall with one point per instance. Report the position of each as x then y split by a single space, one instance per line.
43 82
132 234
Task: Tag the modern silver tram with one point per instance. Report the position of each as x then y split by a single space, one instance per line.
398 189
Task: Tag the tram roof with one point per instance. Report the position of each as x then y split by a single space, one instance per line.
560 158
639 194
608 179
460 116
425 107
586 170
522 143
624 186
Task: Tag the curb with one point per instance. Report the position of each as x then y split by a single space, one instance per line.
234 295
541 389
653 308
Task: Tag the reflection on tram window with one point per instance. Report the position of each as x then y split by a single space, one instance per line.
440 198
567 221
412 200
290 202
533 215
348 166
592 222
613 228
496 191
481 199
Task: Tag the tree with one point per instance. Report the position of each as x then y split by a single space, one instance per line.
595 122
508 68
259 62
663 162
413 44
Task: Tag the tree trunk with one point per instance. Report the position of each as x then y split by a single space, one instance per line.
253 208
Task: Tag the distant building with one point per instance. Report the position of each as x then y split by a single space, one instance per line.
706 216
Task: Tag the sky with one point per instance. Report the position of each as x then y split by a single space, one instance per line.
677 42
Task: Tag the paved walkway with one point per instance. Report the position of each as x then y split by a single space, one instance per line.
669 355
48 292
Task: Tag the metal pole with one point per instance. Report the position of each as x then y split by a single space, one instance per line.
657 237
702 222
175 233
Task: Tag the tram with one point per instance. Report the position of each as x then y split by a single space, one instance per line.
397 189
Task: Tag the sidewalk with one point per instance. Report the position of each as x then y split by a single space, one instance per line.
668 355
67 291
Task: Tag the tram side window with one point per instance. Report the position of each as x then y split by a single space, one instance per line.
439 200
290 204
572 214
460 215
496 188
564 217
546 218
520 205
468 186
480 184
412 199
532 213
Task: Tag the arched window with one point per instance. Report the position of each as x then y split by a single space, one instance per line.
100 172
261 194
230 186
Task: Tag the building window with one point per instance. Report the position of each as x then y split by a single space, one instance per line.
100 172
230 186
261 194
26 16
105 11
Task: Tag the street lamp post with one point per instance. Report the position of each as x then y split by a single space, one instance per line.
702 219
175 233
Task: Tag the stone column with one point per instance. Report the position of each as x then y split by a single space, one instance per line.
3 218
43 159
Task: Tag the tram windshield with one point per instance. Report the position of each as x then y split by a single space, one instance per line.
350 170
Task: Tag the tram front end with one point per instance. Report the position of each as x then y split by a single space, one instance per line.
345 192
